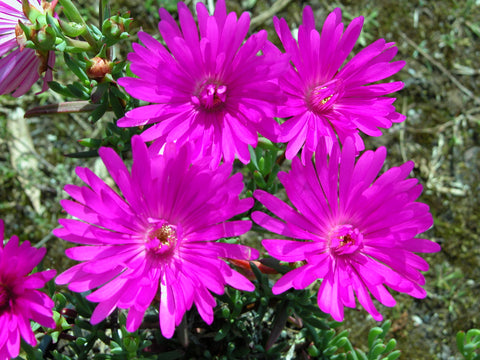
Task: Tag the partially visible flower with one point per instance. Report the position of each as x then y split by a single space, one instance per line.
21 67
357 231
159 238
213 90
329 96
20 301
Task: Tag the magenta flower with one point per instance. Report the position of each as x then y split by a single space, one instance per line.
159 238
214 90
20 301
20 67
358 232
326 99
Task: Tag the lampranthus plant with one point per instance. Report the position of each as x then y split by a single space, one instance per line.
213 90
20 299
21 67
353 230
328 96
159 238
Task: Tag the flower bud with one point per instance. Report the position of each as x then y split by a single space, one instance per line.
44 38
98 68
116 28
71 29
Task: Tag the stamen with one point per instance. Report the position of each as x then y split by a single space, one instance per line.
210 96
344 239
323 97
161 240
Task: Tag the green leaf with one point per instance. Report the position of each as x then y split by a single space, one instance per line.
61 46
77 67
376 351
316 322
78 90
223 332
83 154
253 157
258 274
80 341
394 355
71 29
386 327
58 356
97 114
360 354
273 176
91 143
61 323
373 335
117 107
259 179
342 342
391 345
472 334
330 351
32 353
261 165
469 348
71 11
60 89
60 300
460 341
340 336
281 316
313 351
53 23
351 355
314 333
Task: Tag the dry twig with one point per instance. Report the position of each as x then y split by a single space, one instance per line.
264 16
442 68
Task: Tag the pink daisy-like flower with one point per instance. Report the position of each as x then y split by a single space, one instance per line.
21 67
20 301
214 90
159 238
358 230
326 99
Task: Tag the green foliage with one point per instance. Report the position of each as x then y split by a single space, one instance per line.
378 349
264 165
115 28
152 6
469 344
247 325
83 338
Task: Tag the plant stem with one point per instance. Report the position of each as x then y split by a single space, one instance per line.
182 332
